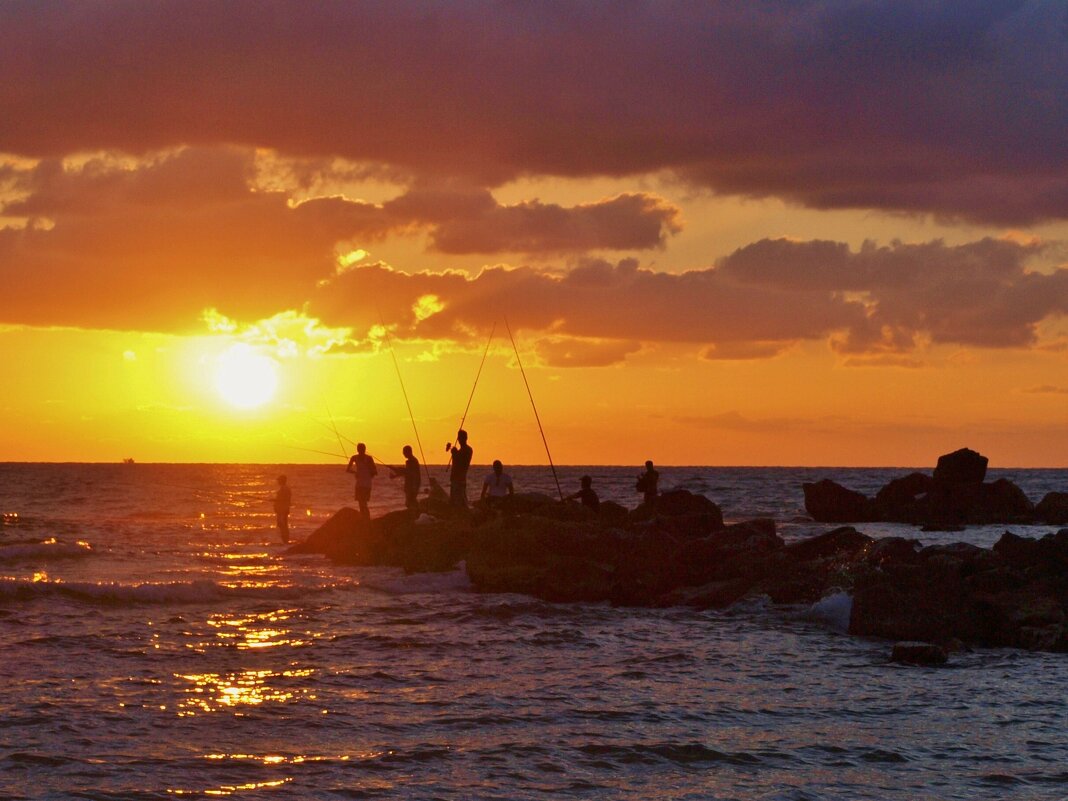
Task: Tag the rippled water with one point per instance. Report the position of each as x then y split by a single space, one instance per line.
156 644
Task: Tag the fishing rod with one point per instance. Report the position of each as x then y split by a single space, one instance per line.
334 426
313 450
534 406
404 391
474 386
478 375
356 444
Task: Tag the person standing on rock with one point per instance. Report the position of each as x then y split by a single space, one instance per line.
412 479
282 502
363 465
647 483
461 461
497 486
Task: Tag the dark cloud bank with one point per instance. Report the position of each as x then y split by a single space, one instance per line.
954 107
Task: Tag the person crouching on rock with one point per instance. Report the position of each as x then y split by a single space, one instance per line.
647 483
412 479
586 496
497 486
363 466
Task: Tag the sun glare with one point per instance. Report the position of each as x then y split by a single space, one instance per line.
244 377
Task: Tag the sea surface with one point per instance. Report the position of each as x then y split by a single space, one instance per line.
156 643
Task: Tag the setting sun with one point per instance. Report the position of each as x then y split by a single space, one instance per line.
245 378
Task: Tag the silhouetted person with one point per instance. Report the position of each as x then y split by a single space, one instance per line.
586 496
497 485
461 461
647 482
282 502
364 467
412 479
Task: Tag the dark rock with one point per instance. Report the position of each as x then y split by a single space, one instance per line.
898 550
612 514
829 502
1053 509
902 500
713 595
682 512
963 466
343 536
1004 502
836 543
918 653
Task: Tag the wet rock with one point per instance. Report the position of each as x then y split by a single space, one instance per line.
899 550
713 595
829 502
835 543
963 466
918 653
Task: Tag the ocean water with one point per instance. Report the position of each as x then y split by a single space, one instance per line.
155 643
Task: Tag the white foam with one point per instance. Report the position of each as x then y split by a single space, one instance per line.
832 610
49 549
414 583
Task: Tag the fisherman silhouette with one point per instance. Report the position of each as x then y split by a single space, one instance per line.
647 482
282 500
412 479
586 496
364 467
496 486
461 461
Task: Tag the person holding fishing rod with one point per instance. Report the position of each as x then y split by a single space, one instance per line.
363 465
461 461
412 479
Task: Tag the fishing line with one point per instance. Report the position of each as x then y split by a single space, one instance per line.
396 366
474 386
534 406
478 375
334 426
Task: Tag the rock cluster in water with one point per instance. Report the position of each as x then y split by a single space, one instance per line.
955 495
682 554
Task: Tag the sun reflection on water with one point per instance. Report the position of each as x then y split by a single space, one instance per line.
216 692
257 630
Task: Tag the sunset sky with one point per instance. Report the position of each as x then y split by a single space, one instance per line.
798 233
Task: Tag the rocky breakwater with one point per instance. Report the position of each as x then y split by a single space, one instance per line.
1015 594
954 495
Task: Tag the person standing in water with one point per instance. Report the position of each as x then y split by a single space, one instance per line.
412 479
282 502
364 467
461 461
647 483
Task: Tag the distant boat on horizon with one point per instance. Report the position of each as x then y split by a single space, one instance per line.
128 460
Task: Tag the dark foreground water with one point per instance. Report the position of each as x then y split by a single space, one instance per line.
155 643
